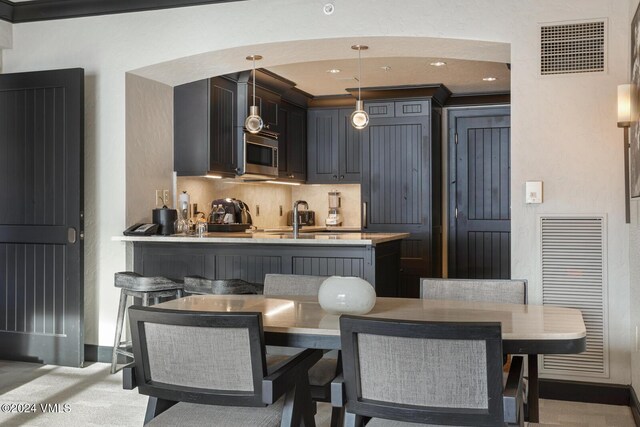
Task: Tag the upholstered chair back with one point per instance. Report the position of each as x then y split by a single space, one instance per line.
292 284
425 372
498 291
200 353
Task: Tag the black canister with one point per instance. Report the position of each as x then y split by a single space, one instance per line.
165 218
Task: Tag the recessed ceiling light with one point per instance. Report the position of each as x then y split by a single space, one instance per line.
333 71
328 8
489 79
386 68
439 64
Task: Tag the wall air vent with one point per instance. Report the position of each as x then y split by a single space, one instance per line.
573 48
574 275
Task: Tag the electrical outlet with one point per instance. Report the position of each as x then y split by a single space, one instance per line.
158 200
257 210
165 197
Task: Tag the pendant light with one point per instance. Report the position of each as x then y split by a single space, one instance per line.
359 118
253 122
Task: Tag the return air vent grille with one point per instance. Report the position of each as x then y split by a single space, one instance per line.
573 48
574 275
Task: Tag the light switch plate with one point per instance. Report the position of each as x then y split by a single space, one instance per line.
533 192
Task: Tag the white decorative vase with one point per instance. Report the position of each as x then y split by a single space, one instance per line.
346 295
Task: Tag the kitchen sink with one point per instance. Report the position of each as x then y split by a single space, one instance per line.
289 235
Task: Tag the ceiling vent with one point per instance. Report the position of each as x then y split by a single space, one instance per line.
573 48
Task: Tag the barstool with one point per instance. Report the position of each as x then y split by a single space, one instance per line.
134 285
201 285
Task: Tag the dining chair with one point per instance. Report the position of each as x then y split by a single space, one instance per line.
504 291
200 368
322 373
481 290
292 284
398 372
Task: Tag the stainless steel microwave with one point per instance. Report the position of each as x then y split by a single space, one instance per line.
260 155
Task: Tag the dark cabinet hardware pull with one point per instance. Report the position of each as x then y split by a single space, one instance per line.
71 235
364 214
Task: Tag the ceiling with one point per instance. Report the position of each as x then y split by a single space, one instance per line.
460 76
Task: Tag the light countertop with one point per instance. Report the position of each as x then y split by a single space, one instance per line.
303 315
279 238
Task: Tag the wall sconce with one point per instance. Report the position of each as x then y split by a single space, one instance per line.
625 117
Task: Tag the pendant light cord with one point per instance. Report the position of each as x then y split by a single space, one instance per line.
359 73
254 80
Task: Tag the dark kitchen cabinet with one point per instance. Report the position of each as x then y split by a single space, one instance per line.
334 147
292 143
205 127
401 183
269 107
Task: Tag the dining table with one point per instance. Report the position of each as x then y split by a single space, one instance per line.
299 321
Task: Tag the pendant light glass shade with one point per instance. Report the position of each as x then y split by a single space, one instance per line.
253 123
359 118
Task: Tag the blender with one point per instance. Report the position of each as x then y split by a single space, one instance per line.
334 217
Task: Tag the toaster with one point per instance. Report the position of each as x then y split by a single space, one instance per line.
306 218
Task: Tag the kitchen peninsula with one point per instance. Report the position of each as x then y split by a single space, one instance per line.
249 256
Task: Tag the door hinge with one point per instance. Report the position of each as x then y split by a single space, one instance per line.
456 212
456 137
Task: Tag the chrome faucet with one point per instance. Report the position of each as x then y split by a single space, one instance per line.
296 218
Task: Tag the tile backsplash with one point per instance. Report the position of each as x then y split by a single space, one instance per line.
317 195
269 197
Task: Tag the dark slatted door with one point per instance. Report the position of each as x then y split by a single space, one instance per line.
396 191
480 214
41 202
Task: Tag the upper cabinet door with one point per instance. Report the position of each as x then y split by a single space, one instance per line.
269 105
222 125
350 150
191 128
283 143
297 143
323 146
205 137
334 148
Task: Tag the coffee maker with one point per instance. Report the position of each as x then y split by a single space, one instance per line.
334 217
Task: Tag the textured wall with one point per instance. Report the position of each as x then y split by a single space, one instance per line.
634 272
563 128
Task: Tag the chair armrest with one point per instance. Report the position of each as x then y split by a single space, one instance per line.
338 392
129 376
512 394
288 375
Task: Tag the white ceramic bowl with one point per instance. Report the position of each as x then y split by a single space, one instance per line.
346 295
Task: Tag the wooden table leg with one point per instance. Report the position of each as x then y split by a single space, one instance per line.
532 401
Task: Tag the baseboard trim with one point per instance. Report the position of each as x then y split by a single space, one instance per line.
635 406
101 353
576 391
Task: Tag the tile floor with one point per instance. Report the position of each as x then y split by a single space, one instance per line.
95 398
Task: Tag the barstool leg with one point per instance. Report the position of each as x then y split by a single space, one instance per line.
145 299
119 323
